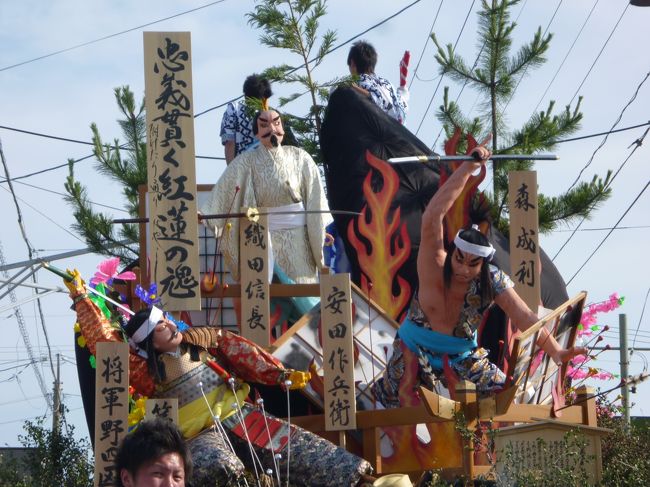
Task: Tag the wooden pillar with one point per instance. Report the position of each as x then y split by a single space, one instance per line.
371 450
589 416
466 395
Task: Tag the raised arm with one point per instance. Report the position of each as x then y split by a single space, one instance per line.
432 247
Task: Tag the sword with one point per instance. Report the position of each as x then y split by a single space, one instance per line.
493 157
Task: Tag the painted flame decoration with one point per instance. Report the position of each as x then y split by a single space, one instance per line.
458 215
379 265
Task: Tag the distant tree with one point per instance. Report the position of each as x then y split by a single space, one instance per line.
494 75
54 458
293 25
130 171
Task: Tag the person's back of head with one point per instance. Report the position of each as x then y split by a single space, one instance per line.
364 57
256 86
152 441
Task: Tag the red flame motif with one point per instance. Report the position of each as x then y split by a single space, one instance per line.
388 242
458 215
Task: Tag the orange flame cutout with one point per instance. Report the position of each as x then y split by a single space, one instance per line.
387 250
209 282
458 215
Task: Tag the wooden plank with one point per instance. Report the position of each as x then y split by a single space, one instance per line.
164 408
111 408
173 232
338 352
525 263
437 405
255 270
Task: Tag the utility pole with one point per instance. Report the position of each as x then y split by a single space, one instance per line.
625 390
56 399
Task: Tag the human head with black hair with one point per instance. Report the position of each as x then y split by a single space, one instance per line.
154 455
257 87
362 58
151 333
468 257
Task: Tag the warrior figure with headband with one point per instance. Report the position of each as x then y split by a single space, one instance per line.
456 286
282 179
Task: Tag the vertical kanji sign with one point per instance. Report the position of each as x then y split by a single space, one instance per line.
165 408
338 352
524 242
255 259
173 223
111 408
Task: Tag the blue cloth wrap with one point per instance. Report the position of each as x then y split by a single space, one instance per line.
435 344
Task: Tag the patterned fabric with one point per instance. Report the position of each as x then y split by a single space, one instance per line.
475 367
96 328
384 95
214 463
313 461
270 178
237 125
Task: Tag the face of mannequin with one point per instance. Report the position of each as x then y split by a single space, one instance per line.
269 129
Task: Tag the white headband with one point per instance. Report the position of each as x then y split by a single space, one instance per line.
145 330
486 251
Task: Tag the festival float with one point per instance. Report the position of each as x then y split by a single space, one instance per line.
283 387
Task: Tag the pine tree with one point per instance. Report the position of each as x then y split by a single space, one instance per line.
494 75
293 25
130 171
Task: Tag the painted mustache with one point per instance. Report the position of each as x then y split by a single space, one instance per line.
273 137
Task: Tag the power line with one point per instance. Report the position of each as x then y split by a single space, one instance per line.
443 75
627 4
109 36
566 56
63 194
601 229
609 233
645 301
426 43
637 143
390 17
620 116
573 139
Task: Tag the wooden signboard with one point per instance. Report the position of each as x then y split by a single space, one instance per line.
255 269
338 353
111 408
524 242
165 408
173 232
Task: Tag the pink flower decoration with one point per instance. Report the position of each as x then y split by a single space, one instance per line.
107 271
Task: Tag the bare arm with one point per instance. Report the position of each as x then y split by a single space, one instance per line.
229 149
432 248
524 318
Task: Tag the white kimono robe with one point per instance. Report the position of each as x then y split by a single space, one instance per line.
271 178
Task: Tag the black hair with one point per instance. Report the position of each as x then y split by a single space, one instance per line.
154 364
364 57
151 440
257 87
474 236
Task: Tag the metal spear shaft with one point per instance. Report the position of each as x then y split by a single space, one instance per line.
493 157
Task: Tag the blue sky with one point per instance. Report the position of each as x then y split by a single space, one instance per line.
62 94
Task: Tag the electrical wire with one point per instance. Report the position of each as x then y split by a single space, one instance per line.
604 141
390 17
566 55
627 5
63 194
443 75
77 46
426 43
645 301
637 143
609 233
601 229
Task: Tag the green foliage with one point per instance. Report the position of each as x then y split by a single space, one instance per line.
293 25
494 75
626 453
129 171
55 458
